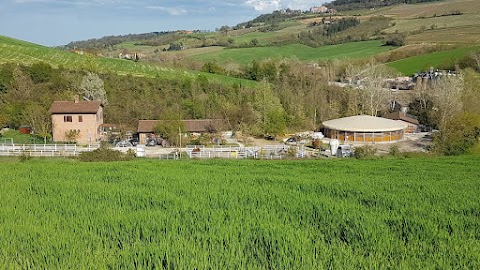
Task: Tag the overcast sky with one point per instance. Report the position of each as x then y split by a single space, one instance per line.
57 22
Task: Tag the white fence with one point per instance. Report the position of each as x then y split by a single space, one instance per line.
195 152
173 156
230 152
44 150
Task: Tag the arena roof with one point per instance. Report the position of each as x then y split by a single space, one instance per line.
364 123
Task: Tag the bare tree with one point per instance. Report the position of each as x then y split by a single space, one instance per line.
423 92
447 97
370 81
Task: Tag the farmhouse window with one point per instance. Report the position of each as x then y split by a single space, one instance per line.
80 118
67 118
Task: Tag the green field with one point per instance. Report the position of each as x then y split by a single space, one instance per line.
412 213
20 52
353 50
441 60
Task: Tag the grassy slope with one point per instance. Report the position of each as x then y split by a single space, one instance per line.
326 214
302 52
422 23
16 51
424 26
442 59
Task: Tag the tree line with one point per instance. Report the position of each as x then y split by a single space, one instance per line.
343 5
291 96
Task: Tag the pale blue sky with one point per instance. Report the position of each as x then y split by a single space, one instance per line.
57 22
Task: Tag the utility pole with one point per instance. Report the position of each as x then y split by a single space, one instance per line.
180 136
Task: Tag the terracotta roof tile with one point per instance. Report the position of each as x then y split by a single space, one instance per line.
402 116
60 107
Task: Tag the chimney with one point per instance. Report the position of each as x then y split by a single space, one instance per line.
76 98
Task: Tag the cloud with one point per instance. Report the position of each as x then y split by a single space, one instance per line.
271 5
263 6
53 3
174 11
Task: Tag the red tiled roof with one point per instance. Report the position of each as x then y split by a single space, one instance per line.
60 107
401 116
199 125
145 126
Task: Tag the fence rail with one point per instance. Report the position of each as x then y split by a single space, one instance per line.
232 152
44 150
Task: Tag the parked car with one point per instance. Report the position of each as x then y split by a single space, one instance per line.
295 140
151 142
124 143
269 137
134 141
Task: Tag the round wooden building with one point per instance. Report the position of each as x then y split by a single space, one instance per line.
364 129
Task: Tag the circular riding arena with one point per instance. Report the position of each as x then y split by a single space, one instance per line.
364 129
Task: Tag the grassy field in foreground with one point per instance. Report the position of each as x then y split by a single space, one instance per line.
441 60
20 52
413 213
304 53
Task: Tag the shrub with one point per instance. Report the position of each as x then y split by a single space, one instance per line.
317 144
106 154
292 152
395 40
394 150
459 136
364 152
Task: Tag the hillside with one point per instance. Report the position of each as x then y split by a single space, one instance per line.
444 25
301 52
342 5
20 52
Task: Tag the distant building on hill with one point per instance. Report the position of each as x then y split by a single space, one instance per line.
131 56
321 9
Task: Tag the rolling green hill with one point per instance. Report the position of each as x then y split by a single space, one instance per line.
16 51
450 22
443 60
304 53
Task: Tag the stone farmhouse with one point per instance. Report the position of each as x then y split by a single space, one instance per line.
85 117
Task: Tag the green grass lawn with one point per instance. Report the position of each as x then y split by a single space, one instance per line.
411 213
304 53
441 60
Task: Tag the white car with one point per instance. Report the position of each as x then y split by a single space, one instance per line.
124 144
